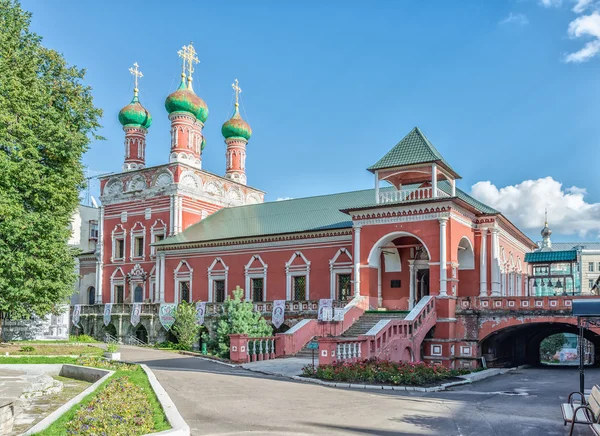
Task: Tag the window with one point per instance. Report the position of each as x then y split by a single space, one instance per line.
343 281
93 229
299 288
591 267
91 295
158 238
119 293
257 289
138 294
119 248
219 290
184 291
598 266
138 246
591 283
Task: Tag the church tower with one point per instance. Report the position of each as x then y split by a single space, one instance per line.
135 120
237 132
546 232
187 113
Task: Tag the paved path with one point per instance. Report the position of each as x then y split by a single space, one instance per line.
287 367
219 400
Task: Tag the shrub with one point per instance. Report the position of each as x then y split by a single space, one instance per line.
27 349
383 372
237 317
111 347
186 327
122 408
81 338
106 364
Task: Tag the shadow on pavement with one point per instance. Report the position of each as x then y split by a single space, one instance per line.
360 430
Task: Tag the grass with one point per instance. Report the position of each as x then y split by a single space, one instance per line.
37 359
136 376
65 349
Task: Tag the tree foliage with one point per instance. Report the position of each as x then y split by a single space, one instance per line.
238 317
551 345
47 119
186 328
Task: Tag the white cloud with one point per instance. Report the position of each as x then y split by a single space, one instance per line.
581 6
550 3
524 204
284 198
586 25
519 19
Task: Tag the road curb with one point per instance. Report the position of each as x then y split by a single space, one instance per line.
231 365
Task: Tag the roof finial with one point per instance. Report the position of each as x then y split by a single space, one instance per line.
191 59
136 73
546 217
236 87
183 54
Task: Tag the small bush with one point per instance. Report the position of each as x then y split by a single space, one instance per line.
27 349
106 364
382 372
122 408
111 347
81 338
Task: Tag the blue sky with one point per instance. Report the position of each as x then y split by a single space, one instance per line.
329 87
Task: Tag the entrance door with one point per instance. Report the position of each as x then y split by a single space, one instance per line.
422 284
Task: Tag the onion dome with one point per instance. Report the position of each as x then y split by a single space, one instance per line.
546 232
134 114
185 100
236 127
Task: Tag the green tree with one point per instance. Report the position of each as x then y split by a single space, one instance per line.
551 345
47 119
238 317
186 327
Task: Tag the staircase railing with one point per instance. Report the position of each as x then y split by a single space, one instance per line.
388 339
133 340
110 339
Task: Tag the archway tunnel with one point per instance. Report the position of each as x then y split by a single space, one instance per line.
520 345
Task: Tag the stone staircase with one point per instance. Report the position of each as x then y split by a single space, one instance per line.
368 320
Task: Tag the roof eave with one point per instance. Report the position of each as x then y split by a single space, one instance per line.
440 162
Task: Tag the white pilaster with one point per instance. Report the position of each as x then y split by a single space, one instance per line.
99 255
495 263
377 186
379 292
171 214
483 265
434 180
443 271
157 280
411 295
162 274
356 258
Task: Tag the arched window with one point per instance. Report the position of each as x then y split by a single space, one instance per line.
138 294
91 295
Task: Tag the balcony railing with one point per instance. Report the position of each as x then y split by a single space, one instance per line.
293 306
410 195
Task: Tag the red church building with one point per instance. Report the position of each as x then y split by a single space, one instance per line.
413 242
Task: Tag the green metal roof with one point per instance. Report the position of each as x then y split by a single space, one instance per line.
290 216
551 256
414 148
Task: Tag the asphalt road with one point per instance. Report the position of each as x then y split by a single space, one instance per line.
219 400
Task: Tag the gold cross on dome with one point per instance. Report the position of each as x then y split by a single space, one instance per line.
236 87
191 58
183 54
136 73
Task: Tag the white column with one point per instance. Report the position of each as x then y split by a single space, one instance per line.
495 264
411 295
443 270
434 180
179 215
162 277
356 257
157 280
100 254
377 186
379 293
171 214
483 265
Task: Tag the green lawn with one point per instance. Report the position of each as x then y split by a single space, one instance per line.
136 376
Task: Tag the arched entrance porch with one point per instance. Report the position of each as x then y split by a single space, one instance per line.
401 262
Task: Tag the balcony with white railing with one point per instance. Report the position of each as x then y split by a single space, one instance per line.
411 195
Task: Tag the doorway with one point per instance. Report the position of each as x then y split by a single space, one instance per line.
422 284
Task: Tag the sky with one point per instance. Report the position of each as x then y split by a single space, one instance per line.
507 90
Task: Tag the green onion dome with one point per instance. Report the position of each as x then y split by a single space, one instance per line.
134 114
236 127
185 100
203 144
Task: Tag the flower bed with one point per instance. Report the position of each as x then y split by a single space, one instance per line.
375 371
121 408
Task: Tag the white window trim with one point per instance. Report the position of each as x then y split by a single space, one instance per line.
118 232
158 228
152 285
255 273
297 270
185 276
336 268
117 281
138 231
221 274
